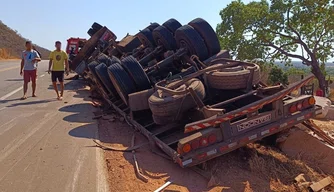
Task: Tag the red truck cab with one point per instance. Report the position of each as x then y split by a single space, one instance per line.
74 45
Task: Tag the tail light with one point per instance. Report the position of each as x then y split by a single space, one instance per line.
195 144
311 101
212 139
306 103
300 105
293 109
186 148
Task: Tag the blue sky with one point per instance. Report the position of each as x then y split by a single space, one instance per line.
44 21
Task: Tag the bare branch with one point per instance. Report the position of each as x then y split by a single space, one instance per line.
281 34
298 35
323 32
286 53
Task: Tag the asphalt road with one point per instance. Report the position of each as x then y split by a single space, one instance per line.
45 143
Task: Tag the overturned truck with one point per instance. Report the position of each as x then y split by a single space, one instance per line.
191 99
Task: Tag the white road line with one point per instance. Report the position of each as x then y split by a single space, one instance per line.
42 75
101 180
11 93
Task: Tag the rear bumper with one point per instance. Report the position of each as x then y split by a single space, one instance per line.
205 154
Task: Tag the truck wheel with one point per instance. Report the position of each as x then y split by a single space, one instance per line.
91 66
187 37
172 25
121 80
136 72
168 106
232 78
91 31
208 35
152 26
96 26
103 58
162 36
102 72
146 38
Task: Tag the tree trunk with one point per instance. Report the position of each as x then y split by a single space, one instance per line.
320 76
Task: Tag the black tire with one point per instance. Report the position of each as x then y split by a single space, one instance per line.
232 78
152 26
96 26
208 35
172 25
103 58
91 66
162 36
168 107
102 72
91 31
136 72
121 80
146 38
186 36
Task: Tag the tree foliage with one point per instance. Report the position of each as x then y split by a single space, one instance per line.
275 30
277 75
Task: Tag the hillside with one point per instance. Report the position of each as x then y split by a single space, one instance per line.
12 44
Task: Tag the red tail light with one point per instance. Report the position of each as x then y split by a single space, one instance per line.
212 139
195 144
306 103
299 106
293 109
311 101
186 148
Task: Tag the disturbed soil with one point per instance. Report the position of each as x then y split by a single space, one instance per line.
256 167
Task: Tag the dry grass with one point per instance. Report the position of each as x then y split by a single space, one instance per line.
271 164
12 44
261 168
5 54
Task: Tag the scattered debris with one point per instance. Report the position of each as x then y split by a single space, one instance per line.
138 173
163 186
130 149
300 178
318 186
312 126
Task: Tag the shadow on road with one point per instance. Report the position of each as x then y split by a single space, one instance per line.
9 100
30 102
87 131
79 118
14 79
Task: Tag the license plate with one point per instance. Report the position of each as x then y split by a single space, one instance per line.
253 122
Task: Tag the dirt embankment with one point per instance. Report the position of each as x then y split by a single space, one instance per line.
12 44
256 167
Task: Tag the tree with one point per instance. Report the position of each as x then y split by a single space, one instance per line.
277 75
275 30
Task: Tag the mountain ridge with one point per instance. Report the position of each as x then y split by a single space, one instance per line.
12 44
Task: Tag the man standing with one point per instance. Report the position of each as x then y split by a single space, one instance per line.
58 61
29 61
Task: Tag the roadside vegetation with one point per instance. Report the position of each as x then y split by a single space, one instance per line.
281 30
12 44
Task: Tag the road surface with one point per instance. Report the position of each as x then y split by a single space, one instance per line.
45 143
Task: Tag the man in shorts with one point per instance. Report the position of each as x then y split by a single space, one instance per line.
58 61
29 61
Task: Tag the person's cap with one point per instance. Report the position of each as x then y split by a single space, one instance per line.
58 42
